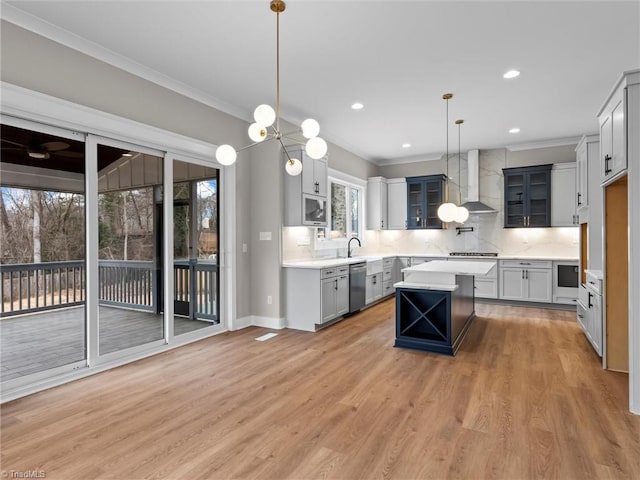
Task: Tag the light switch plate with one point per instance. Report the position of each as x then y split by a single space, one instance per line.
265 235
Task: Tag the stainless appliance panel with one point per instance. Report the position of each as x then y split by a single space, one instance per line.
357 286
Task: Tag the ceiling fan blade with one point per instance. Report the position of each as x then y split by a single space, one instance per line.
12 143
54 146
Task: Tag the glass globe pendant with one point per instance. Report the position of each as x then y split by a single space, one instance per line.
226 155
447 212
461 215
316 148
264 115
293 167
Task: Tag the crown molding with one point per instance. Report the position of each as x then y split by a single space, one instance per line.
553 142
59 35
385 162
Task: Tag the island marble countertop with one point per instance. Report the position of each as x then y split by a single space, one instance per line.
441 274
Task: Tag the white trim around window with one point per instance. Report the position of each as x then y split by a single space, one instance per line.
350 182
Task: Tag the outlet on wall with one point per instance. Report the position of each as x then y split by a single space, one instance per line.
269 300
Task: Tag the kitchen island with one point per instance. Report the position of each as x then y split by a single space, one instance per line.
435 304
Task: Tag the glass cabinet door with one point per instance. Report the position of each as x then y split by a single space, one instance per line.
538 200
515 200
415 205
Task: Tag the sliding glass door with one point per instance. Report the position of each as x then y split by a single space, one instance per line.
42 257
129 247
195 247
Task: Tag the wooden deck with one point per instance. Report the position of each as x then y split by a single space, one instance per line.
40 341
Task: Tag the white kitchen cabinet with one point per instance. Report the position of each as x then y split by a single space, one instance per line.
526 280
589 315
314 175
377 203
397 203
613 151
373 288
594 313
314 296
587 177
329 299
374 281
563 195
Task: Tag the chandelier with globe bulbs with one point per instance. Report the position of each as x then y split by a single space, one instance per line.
267 121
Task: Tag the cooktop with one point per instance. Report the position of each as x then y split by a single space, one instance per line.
473 254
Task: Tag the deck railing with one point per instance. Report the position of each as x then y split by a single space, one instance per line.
33 287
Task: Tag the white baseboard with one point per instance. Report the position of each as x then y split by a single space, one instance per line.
268 322
244 322
258 321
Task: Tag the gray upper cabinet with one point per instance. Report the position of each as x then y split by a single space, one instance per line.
305 195
314 174
613 153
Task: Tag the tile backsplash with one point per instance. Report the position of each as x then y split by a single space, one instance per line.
542 242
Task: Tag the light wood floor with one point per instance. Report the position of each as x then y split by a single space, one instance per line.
525 397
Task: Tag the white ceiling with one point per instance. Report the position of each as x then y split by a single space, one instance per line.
396 57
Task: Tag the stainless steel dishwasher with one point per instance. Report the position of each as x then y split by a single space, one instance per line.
357 285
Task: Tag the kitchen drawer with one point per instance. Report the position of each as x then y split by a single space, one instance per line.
343 269
526 263
387 275
388 262
387 288
329 272
594 281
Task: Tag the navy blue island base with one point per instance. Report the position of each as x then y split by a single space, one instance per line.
435 320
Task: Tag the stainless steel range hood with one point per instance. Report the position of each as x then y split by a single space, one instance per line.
473 204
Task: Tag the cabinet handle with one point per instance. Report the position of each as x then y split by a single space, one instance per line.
579 198
607 159
522 274
381 223
526 275
336 287
589 301
525 263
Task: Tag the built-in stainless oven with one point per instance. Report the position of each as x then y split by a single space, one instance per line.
566 279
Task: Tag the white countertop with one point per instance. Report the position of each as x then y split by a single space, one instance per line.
441 274
333 262
463 267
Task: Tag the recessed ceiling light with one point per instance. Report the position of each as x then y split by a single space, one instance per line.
357 106
406 145
511 74
514 130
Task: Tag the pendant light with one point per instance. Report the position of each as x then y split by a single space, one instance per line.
265 117
462 214
447 211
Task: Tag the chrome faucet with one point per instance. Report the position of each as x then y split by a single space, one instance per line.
349 245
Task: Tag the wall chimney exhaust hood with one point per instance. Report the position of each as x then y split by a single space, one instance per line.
473 204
